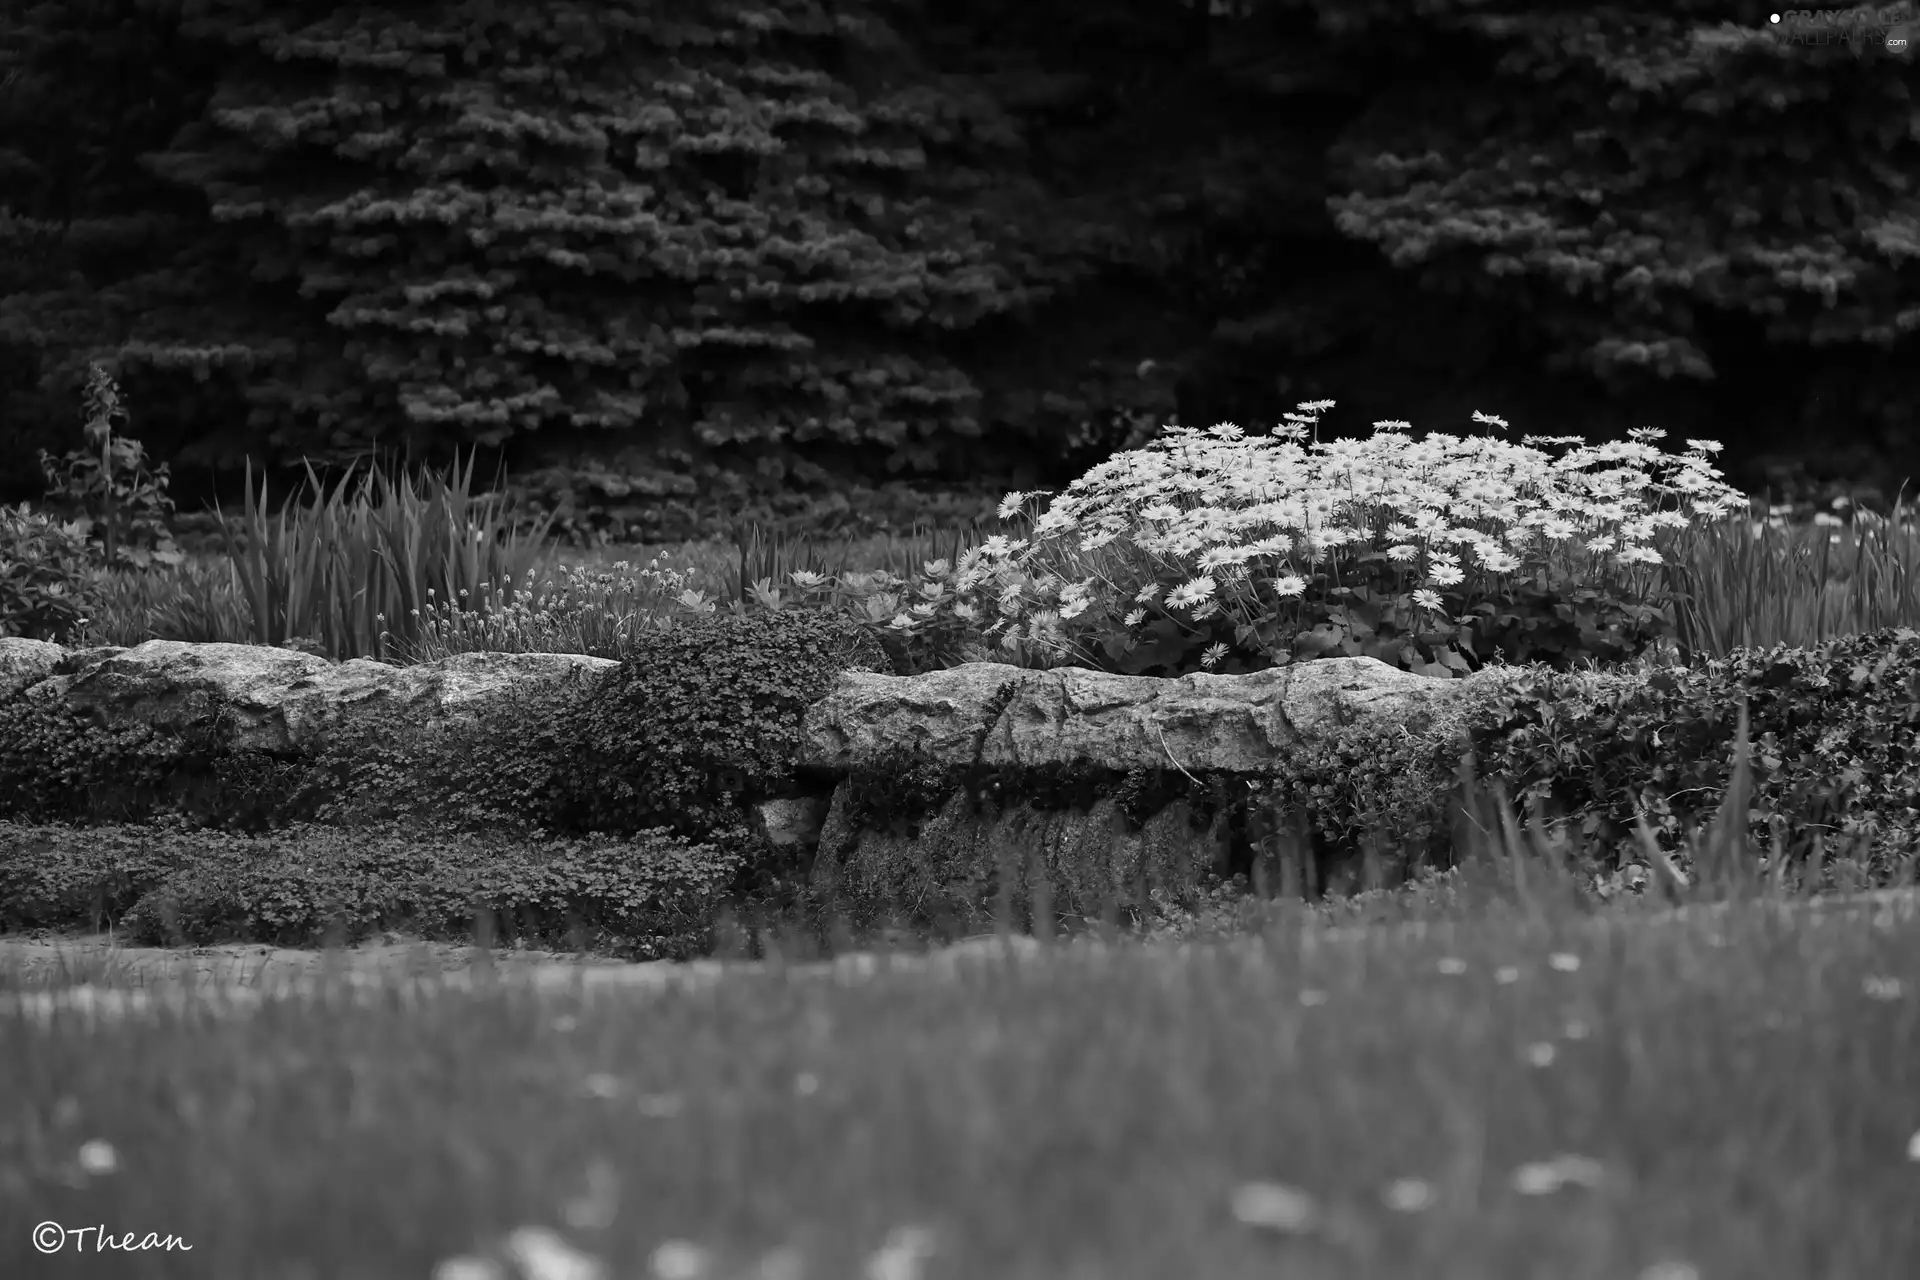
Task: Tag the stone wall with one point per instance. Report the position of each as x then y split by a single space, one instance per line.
944 791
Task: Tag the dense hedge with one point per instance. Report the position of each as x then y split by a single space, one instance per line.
1835 733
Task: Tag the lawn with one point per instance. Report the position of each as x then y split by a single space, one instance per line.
1494 1092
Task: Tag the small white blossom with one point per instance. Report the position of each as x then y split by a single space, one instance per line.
1545 1177
1275 1207
469 1268
1408 1195
902 1256
680 1260
541 1254
98 1158
1671 1270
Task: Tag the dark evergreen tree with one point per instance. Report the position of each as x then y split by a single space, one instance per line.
935 236
705 225
92 246
1659 194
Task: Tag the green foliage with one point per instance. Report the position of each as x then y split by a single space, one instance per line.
506 767
1358 781
56 876
125 508
57 762
511 766
1758 583
355 575
1835 750
708 714
1555 619
601 613
649 896
47 587
1548 618
196 602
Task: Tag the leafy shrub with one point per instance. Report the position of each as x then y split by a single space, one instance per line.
125 507
649 896
1355 782
1836 734
47 589
193 602
709 713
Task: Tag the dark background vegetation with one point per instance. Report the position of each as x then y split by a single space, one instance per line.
721 252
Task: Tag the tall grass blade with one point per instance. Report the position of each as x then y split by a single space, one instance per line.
1728 862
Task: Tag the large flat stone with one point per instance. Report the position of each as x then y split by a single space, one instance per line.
1013 717
269 699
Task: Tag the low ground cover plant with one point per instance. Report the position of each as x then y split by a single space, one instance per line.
651 895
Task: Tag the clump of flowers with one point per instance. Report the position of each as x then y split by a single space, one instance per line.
603 613
1264 550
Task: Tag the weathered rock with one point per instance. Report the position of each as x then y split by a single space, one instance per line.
1024 718
791 821
268 699
26 662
